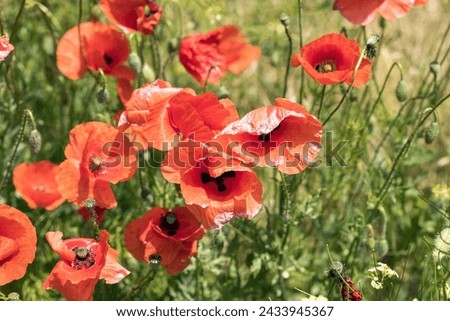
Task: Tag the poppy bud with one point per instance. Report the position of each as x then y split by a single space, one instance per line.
35 141
173 45
135 62
435 67
13 296
222 93
89 204
381 248
148 73
382 23
102 96
284 19
402 91
275 58
432 132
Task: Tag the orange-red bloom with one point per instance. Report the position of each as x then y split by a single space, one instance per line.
102 47
362 12
283 135
217 186
97 155
17 244
133 15
209 56
158 115
82 263
332 59
36 184
171 234
5 48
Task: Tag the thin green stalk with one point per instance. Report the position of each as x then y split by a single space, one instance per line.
147 279
300 35
388 181
377 100
388 132
14 152
321 100
288 62
16 22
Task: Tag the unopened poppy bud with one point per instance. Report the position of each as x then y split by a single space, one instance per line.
402 91
102 96
435 67
89 204
222 93
13 296
148 73
284 19
382 23
173 45
135 62
35 141
275 58
381 248
145 192
432 132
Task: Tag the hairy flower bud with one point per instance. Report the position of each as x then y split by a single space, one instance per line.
435 67
102 96
432 132
135 62
284 19
381 248
35 141
402 91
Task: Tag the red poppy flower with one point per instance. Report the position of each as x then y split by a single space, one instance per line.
133 15
97 155
283 135
158 115
94 46
362 12
349 292
36 184
86 214
223 48
17 244
171 234
82 263
332 59
5 48
219 185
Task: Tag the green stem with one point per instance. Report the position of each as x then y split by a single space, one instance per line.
16 21
388 181
16 146
321 100
288 63
300 33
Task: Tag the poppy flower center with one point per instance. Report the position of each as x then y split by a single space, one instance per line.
219 180
325 66
108 59
84 257
169 223
266 137
97 165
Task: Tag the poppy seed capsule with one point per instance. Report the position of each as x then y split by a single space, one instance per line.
402 91
35 141
431 133
135 62
89 204
435 67
284 19
102 96
13 296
